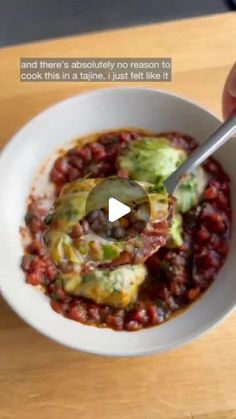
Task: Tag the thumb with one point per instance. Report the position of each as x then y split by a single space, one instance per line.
229 93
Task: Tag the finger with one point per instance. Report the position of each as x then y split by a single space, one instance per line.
229 93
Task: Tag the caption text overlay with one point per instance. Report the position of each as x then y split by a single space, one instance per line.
95 69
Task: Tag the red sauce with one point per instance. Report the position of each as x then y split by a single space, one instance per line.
176 277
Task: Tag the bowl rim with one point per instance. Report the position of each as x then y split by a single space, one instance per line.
95 92
59 339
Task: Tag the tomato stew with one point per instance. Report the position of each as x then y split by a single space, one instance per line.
176 277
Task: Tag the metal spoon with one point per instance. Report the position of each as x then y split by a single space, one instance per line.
216 140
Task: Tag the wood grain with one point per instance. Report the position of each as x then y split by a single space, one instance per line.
39 378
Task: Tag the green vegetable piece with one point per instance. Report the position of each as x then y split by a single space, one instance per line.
110 252
151 159
70 207
176 231
190 190
117 288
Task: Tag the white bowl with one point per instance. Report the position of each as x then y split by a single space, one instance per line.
77 116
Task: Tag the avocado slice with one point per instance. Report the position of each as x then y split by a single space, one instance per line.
118 287
190 189
151 159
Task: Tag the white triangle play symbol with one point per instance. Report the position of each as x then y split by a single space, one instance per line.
116 209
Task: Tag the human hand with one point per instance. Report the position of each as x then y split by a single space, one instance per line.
229 93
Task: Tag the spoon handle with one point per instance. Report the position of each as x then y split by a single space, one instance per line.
216 140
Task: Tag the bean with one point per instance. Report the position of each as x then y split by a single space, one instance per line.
36 248
34 209
207 259
125 136
119 312
216 223
152 314
78 313
72 152
98 151
133 325
119 233
50 271
203 234
222 201
76 162
132 217
34 278
77 231
85 153
210 193
223 249
57 177
93 216
102 217
115 322
135 135
104 311
193 293
96 226
109 138
61 165
57 306
38 264
140 315
85 226
60 294
26 262
213 167
73 174
93 313
36 225
106 168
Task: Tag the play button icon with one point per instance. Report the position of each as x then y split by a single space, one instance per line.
116 209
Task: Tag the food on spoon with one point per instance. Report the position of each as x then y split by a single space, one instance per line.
70 236
83 258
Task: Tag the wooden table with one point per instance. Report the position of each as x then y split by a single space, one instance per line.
39 378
